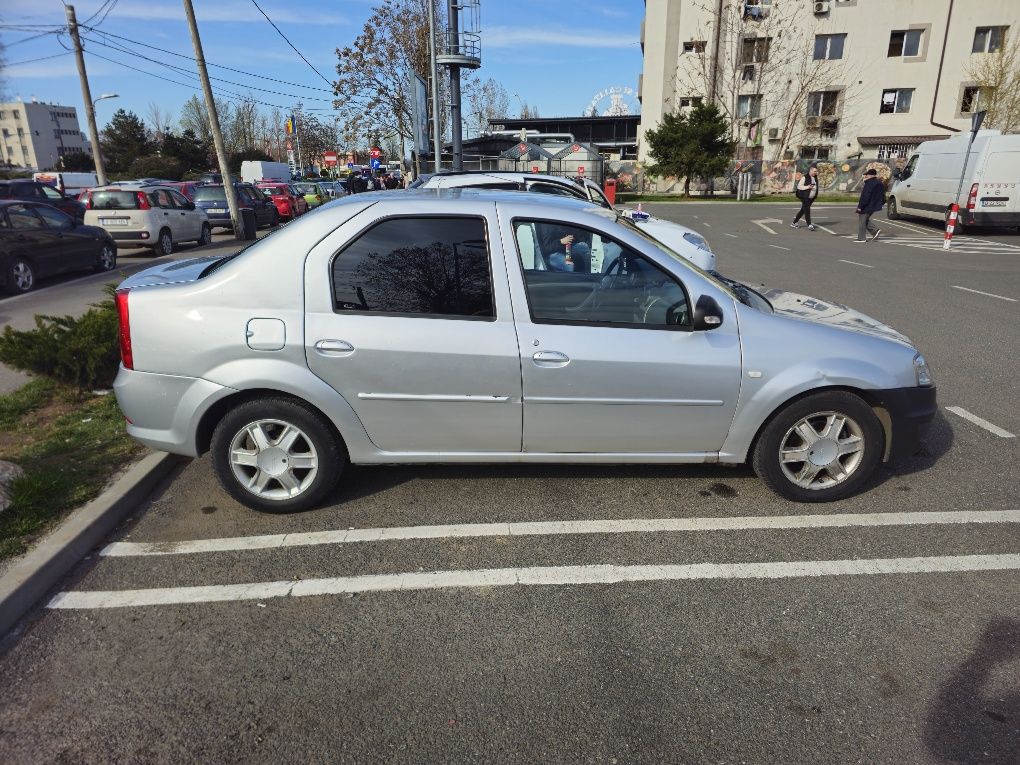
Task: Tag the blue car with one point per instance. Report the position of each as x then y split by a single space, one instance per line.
213 199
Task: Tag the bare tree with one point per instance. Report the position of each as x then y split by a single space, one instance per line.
487 99
996 75
160 120
528 112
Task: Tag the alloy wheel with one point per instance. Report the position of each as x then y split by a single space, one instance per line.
273 459
24 276
107 258
822 450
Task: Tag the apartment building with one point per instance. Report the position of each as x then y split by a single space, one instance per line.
34 135
822 79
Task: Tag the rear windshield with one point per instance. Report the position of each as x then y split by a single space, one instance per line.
210 194
307 188
273 190
114 200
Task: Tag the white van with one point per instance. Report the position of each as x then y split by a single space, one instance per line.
991 188
253 171
71 184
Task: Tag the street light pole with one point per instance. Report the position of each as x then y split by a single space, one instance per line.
437 138
86 94
521 101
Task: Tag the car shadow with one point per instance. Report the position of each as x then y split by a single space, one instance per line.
937 444
969 723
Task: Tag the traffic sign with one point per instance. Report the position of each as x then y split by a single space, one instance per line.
329 157
580 170
350 165
375 163
375 152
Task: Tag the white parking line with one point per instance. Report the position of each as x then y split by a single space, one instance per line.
827 230
542 528
980 422
779 248
733 235
539 575
987 294
855 263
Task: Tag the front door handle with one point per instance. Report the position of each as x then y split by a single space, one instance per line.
334 348
550 359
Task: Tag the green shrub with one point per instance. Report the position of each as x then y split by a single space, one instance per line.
153 166
83 352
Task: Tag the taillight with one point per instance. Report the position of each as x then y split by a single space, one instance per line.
972 198
143 202
126 357
88 200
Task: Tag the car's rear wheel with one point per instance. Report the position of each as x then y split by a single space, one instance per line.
277 455
106 260
821 448
20 276
164 243
891 211
206 236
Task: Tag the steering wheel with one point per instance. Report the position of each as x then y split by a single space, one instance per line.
607 281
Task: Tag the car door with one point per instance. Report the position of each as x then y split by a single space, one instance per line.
166 213
30 239
411 322
191 219
609 361
74 249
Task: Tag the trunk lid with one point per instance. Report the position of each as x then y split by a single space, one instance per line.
175 272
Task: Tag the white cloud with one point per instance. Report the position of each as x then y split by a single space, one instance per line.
49 70
526 38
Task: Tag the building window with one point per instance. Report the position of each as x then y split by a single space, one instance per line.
3 115
896 101
896 150
694 46
754 50
17 114
757 9
748 74
988 39
749 107
814 152
905 43
690 101
829 47
971 101
822 103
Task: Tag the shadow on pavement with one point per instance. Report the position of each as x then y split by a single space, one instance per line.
970 724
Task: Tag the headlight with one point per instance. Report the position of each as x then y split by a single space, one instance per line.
921 371
698 241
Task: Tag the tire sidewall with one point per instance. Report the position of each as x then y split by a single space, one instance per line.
112 264
766 452
12 285
206 236
162 248
328 446
892 211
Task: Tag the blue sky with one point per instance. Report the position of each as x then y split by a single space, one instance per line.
556 55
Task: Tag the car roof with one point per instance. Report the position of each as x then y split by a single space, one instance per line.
472 177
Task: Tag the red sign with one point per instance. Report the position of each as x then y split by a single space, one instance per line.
534 168
329 157
523 148
575 148
375 152
580 170
290 145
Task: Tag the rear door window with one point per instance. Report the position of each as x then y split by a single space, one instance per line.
23 217
435 267
50 193
54 218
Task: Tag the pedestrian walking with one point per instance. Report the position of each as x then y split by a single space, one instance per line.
872 200
807 192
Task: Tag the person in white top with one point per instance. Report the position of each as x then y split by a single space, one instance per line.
807 192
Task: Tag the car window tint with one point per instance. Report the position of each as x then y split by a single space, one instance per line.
552 188
596 281
51 193
425 266
23 217
179 199
54 218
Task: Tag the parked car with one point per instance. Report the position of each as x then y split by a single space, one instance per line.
289 204
213 199
417 327
677 237
33 191
187 188
312 193
150 216
927 186
37 240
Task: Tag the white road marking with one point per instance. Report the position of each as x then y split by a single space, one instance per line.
980 422
779 248
709 225
855 263
763 221
538 575
733 235
827 230
988 294
914 227
542 528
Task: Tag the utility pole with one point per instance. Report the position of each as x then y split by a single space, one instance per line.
437 139
86 94
455 126
297 137
214 124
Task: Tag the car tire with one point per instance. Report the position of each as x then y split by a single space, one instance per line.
20 277
106 260
254 464
206 235
275 220
891 211
840 438
164 243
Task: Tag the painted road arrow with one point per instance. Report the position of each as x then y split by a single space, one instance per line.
763 221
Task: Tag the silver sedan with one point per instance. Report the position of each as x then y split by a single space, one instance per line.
495 327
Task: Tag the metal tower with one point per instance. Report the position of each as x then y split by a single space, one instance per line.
461 48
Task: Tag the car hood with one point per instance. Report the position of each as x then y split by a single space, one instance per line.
174 272
805 308
672 235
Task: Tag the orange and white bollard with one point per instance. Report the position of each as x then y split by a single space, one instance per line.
954 213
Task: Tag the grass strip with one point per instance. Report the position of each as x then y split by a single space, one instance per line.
70 446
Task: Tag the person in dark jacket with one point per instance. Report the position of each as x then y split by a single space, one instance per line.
871 201
807 193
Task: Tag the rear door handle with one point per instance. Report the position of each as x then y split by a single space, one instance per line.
550 359
334 348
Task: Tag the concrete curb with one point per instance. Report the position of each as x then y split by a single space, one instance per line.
30 578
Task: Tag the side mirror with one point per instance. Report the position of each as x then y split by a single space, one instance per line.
707 314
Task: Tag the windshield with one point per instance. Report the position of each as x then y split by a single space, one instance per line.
210 194
739 292
273 191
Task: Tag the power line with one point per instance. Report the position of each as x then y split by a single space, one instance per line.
58 30
33 60
302 55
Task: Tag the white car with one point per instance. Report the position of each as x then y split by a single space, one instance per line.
681 239
147 216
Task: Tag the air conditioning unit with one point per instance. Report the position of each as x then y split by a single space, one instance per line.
830 123
773 134
813 122
821 6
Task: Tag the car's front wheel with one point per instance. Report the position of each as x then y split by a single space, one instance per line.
821 448
106 260
891 211
164 243
20 276
275 220
206 236
277 455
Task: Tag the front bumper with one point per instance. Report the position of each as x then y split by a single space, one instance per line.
911 411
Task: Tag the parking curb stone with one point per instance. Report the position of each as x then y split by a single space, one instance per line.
31 577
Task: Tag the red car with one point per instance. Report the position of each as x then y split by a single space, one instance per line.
289 204
187 188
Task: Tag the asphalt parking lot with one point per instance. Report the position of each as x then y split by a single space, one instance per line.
579 613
